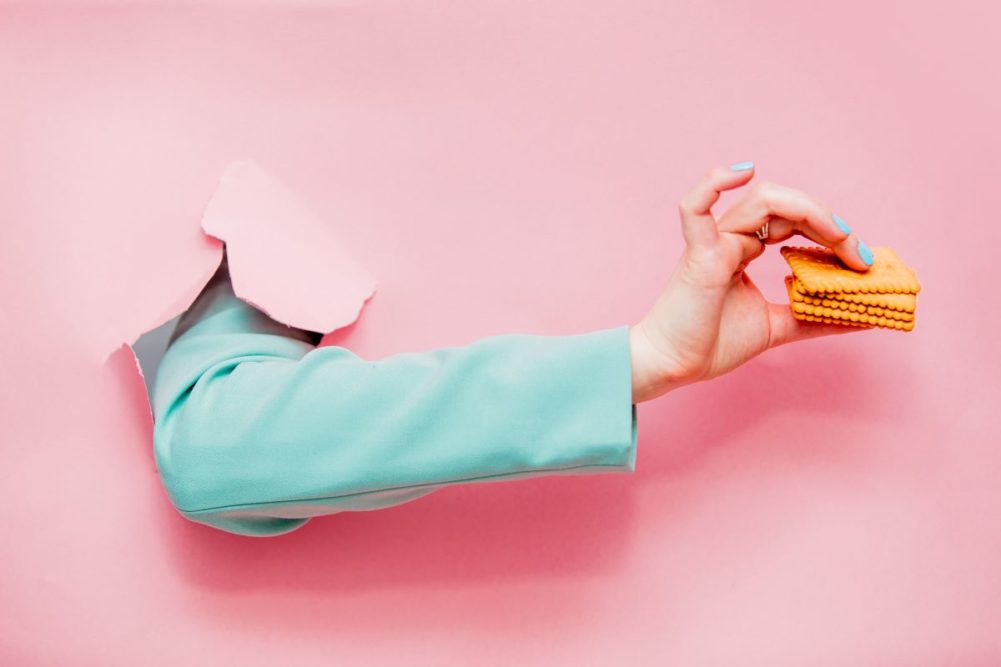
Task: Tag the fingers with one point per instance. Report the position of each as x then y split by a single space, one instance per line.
785 328
697 222
751 248
789 211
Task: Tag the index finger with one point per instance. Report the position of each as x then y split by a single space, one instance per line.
697 222
796 212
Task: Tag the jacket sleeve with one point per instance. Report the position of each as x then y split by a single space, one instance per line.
257 429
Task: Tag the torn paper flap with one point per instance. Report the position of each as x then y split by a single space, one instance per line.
283 258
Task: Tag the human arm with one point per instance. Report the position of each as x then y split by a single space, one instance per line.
257 430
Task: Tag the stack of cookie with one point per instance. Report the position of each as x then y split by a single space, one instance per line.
823 289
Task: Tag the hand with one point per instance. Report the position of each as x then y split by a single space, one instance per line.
711 318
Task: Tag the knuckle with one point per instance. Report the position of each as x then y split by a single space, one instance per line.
712 256
803 201
764 190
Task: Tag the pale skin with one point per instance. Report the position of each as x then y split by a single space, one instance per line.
711 318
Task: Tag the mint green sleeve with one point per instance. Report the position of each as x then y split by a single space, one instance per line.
257 429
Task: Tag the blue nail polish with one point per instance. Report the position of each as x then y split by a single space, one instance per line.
865 253
841 224
742 166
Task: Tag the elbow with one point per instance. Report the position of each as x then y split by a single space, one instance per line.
206 467
196 458
190 480
190 447
201 492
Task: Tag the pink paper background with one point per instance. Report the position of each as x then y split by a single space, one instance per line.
499 167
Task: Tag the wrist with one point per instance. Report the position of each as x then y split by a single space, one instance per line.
650 372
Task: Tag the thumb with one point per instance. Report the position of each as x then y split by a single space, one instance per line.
785 328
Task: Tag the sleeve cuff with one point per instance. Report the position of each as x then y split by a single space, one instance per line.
604 417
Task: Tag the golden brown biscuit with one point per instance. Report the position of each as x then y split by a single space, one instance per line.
902 302
888 324
821 271
823 289
813 304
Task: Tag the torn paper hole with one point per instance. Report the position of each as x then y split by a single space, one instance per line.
283 260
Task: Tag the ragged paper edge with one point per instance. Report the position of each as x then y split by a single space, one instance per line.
281 252
338 286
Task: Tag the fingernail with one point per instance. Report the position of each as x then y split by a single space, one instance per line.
841 224
742 166
865 253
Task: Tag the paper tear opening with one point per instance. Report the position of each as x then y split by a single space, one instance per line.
283 259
